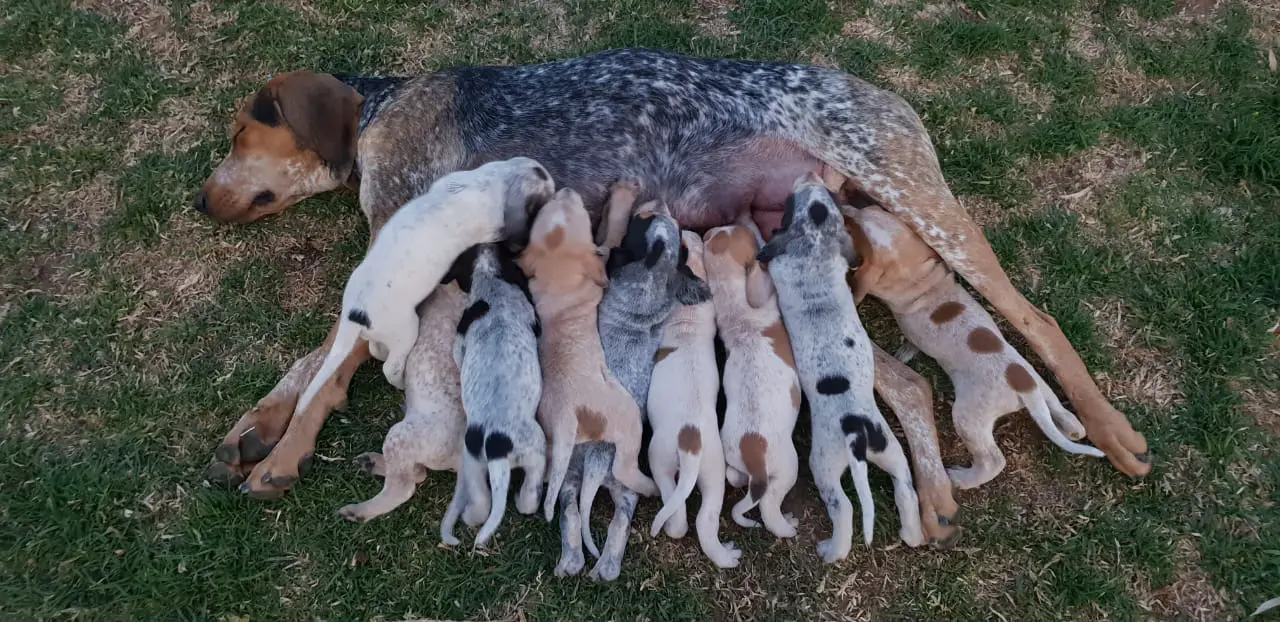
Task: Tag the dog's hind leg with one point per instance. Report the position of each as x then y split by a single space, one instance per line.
609 566
711 482
974 425
534 463
626 464
397 488
459 500
560 451
787 463
1063 418
400 333
892 461
572 560
827 462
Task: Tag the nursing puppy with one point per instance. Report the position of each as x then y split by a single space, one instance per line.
581 400
941 319
414 250
648 276
809 259
682 413
497 355
430 435
762 392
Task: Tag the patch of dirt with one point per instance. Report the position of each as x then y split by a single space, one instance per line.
1142 374
1192 595
872 30
1266 22
937 11
79 97
1005 69
67 221
1263 405
180 121
1083 181
986 212
712 18
150 24
1121 82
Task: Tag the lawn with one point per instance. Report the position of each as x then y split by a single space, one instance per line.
1123 158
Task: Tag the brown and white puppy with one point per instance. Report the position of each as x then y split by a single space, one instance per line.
941 319
430 435
761 389
682 413
581 400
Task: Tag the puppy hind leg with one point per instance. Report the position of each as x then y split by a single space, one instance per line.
561 452
893 461
664 475
626 464
827 467
499 482
399 332
1065 419
534 463
572 559
397 488
711 484
609 566
783 478
974 426
460 500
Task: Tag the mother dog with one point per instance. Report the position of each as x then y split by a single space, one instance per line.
714 139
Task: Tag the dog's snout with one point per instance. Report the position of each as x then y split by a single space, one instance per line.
201 203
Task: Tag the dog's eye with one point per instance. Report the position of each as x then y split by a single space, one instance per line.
264 198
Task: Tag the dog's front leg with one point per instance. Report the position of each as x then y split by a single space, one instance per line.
291 457
909 396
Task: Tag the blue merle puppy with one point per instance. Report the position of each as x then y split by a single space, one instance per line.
497 356
649 275
808 260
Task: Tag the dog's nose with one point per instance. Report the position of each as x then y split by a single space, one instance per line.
202 202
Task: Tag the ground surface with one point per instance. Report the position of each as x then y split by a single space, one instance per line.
1124 159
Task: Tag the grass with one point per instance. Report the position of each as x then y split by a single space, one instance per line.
132 332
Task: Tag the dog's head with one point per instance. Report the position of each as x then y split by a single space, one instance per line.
486 262
652 263
895 262
731 261
294 138
812 225
528 188
561 256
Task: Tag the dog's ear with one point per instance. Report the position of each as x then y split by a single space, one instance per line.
324 115
462 268
689 289
774 247
789 212
759 286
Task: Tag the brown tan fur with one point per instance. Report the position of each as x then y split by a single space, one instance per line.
581 400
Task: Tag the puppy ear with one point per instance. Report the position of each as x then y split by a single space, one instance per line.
865 280
324 115
759 286
689 289
773 248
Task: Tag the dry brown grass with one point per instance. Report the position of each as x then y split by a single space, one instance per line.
712 17
176 128
1141 375
1005 69
1192 595
1083 181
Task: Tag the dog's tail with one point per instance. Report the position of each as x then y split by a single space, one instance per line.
343 343
690 449
497 449
593 476
1034 400
859 432
753 448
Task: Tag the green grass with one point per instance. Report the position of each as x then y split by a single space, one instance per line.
133 333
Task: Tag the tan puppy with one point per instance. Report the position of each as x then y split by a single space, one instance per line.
581 399
430 435
760 383
946 323
682 413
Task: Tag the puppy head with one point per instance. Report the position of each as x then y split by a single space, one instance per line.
731 259
528 187
652 258
561 254
812 221
294 138
893 256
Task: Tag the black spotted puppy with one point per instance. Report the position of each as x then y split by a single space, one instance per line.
497 356
808 260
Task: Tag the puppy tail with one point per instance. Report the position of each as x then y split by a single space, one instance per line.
690 442
592 478
862 485
497 448
753 448
1039 409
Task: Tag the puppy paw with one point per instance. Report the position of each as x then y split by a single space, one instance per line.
832 552
449 539
354 513
368 462
677 527
527 501
570 564
791 518
727 557
606 569
475 515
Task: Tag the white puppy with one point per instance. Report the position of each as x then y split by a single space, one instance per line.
761 389
682 412
415 249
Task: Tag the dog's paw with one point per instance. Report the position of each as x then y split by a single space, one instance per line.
570 564
368 462
354 513
475 514
449 539
832 552
727 557
606 569
677 526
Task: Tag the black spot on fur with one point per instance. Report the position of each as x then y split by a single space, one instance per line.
757 488
474 312
818 213
509 271
537 327
789 214
848 342
865 434
542 174
360 317
497 446
474 440
833 385
462 269
264 108
655 253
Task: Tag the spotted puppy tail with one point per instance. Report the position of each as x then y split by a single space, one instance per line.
858 433
690 443
753 448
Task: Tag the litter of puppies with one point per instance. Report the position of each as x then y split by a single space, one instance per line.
552 353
